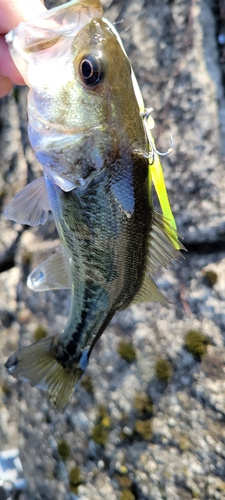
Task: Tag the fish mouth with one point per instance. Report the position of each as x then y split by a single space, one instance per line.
47 29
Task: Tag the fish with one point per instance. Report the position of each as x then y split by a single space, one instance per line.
92 136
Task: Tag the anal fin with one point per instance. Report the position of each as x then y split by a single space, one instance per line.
51 274
149 292
30 205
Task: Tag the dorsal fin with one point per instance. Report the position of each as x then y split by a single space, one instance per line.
163 244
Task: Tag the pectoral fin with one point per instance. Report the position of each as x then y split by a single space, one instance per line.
51 274
30 205
65 184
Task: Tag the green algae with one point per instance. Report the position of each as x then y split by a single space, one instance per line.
64 449
101 429
163 369
196 343
87 384
143 404
144 429
126 351
39 333
211 277
127 495
75 479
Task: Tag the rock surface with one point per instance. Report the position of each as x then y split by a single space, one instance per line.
144 430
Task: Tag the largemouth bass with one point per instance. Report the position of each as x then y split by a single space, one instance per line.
89 131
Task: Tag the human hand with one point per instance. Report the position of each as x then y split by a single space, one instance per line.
12 13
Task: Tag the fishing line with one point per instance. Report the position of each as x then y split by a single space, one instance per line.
110 5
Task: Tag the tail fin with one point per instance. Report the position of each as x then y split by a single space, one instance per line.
37 365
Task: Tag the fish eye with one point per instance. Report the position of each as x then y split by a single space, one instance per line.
91 70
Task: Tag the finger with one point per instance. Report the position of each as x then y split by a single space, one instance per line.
5 85
14 11
7 67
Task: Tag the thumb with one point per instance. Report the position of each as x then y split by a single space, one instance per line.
12 13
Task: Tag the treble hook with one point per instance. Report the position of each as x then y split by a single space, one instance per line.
169 150
145 115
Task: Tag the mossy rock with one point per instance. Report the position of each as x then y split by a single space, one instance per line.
220 485
100 434
39 333
26 257
87 384
122 470
127 495
104 416
196 343
143 404
6 389
63 450
126 351
163 369
101 429
144 429
195 494
184 444
211 277
75 479
124 481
